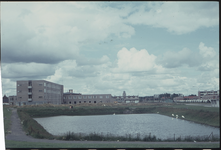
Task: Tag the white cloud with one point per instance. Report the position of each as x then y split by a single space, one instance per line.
28 70
177 59
180 18
134 60
206 52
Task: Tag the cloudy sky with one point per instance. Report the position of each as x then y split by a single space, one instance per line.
143 48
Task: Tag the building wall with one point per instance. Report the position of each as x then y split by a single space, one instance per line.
70 98
12 100
38 92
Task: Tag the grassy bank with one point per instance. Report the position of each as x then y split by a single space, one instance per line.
7 119
31 127
192 113
198 114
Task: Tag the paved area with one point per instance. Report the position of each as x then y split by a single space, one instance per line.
17 134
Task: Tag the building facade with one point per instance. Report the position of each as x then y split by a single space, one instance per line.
78 98
126 99
31 92
5 99
12 100
208 94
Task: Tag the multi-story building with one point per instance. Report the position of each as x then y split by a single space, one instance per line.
208 94
38 92
78 98
12 100
127 99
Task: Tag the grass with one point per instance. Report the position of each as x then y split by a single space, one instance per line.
7 119
70 136
32 127
18 144
206 115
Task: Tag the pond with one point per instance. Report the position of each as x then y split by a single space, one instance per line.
161 126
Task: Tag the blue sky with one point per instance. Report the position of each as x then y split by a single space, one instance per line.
143 48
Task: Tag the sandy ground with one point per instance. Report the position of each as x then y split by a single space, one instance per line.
17 134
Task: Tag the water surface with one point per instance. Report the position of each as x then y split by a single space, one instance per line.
161 126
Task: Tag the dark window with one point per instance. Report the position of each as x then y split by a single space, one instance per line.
94 101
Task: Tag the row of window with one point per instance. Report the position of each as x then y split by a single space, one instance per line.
48 91
84 102
46 85
85 97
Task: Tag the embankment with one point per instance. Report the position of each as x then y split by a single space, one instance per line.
199 115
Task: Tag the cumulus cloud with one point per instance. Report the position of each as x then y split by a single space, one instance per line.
206 52
53 32
204 59
180 58
134 60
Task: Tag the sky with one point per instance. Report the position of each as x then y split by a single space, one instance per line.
143 48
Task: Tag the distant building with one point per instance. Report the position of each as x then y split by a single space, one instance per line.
12 100
5 100
127 99
31 92
78 98
208 95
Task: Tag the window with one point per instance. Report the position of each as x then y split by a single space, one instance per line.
40 84
40 91
29 83
45 90
100 101
94 96
29 96
89 97
69 97
79 97
101 96
44 84
19 84
79 101
75 97
89 101
19 91
94 101
85 97
84 101
40 96
107 96
20 97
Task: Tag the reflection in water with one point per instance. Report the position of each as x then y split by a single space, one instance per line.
161 126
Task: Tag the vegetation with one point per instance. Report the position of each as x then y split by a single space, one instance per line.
31 127
209 116
198 114
7 119
70 136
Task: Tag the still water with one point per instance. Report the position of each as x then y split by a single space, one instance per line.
159 125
